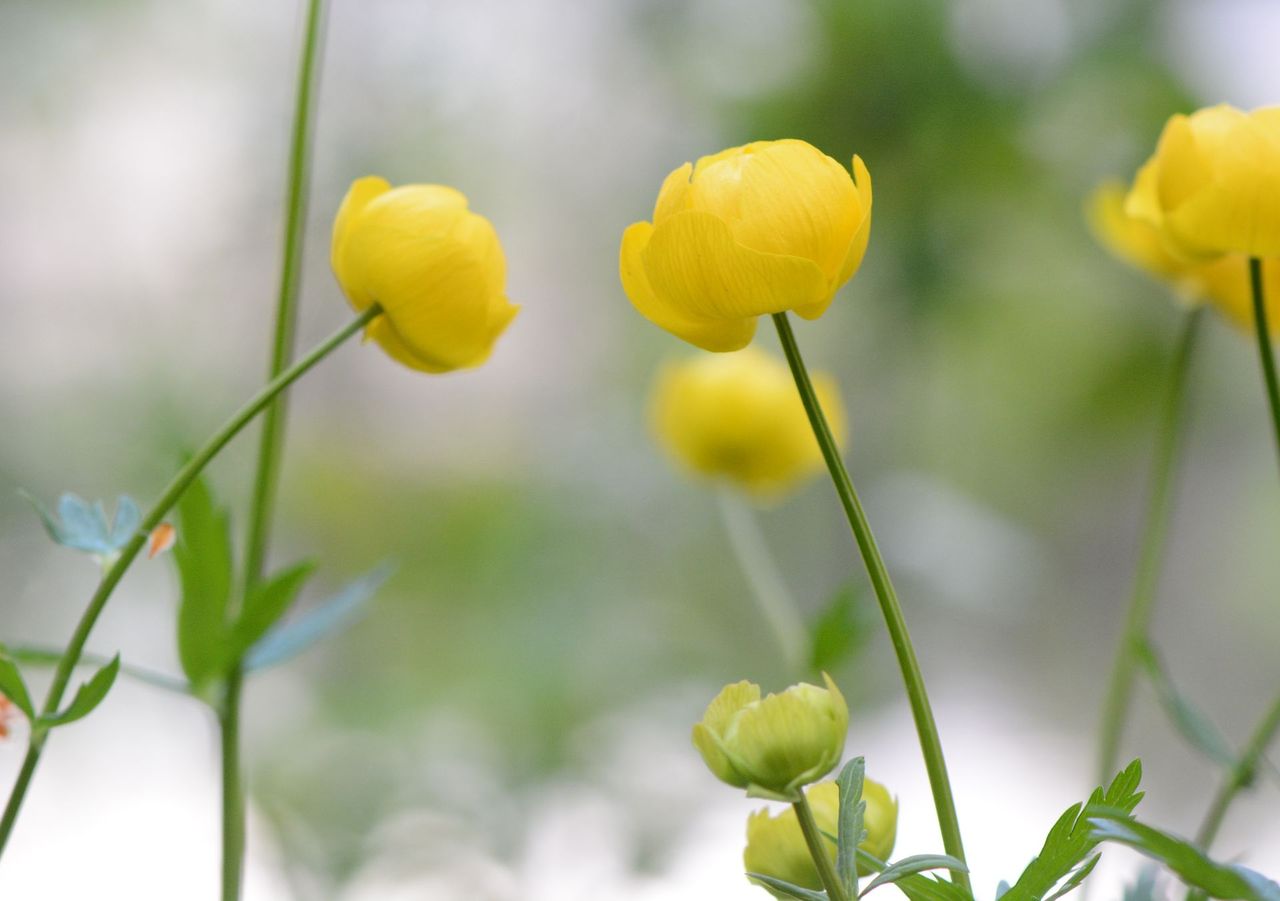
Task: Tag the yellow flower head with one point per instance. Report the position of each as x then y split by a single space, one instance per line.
1213 185
776 846
436 268
739 417
1223 282
773 745
763 228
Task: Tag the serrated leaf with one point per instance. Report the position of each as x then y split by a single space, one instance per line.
265 604
788 889
203 558
1071 840
909 866
88 696
291 637
918 887
1230 882
849 831
14 687
840 630
1078 876
1191 723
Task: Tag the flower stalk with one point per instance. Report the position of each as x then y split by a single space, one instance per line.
814 838
172 492
1146 577
1266 353
890 608
271 441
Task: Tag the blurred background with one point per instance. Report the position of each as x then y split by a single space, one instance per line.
511 720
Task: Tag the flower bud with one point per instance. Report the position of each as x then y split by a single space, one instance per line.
763 228
775 745
1211 186
776 846
436 268
739 417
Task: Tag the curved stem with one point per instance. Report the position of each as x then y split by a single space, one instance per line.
890 608
174 490
1159 505
1265 351
271 442
774 600
816 841
1241 775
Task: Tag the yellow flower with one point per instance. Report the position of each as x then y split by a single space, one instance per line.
776 846
739 417
1222 282
763 228
775 745
1213 185
436 268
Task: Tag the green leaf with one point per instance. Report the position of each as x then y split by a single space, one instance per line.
88 696
787 889
840 630
1071 840
203 558
49 656
909 866
264 606
849 831
1073 881
918 887
13 687
291 637
1230 882
1193 725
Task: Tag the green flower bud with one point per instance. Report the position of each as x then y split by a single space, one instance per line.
776 846
774 745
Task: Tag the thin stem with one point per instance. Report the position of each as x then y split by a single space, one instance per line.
1146 576
1265 351
174 490
774 600
271 442
817 843
890 608
40 655
1240 776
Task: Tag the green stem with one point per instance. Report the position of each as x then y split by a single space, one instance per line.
817 843
890 608
39 655
271 443
1265 351
1241 775
169 497
1159 505
774 600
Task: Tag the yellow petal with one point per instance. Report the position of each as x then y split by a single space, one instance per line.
857 248
707 333
359 195
1128 237
673 196
697 269
1225 282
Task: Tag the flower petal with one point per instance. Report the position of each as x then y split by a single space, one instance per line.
673 196
359 195
697 268
709 334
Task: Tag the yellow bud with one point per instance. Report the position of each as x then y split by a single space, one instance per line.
1223 282
776 846
739 417
763 228
773 745
436 268
1213 185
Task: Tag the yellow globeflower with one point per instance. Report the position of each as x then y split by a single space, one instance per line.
436 268
739 417
776 846
1222 282
776 744
763 228
1213 185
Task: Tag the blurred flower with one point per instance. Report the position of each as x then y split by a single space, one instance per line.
775 745
763 228
1222 282
436 268
776 846
1213 185
739 417
7 711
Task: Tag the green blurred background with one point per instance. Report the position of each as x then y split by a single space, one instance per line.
511 720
